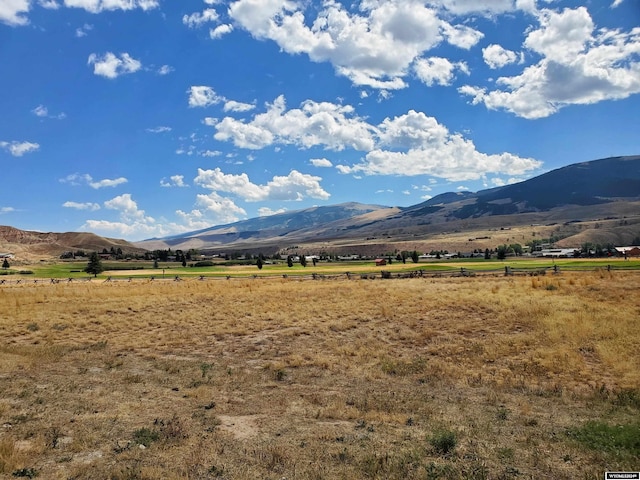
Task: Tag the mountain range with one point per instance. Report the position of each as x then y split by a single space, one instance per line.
596 201
569 199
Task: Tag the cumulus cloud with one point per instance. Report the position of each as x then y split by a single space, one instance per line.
112 66
335 127
78 179
174 181
220 31
212 209
203 96
12 12
294 187
233 106
267 212
18 149
415 144
321 162
578 65
196 20
438 70
82 206
374 46
496 56
409 144
97 6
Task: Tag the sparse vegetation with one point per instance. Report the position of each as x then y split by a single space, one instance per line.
494 377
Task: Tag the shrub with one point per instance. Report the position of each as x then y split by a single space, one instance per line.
204 263
444 442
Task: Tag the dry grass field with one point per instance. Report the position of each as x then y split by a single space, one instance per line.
478 378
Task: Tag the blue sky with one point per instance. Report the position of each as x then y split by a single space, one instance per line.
146 118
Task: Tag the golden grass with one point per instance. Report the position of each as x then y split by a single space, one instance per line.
347 379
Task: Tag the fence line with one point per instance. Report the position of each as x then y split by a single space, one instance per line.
371 275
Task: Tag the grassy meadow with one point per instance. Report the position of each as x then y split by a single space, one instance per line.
424 378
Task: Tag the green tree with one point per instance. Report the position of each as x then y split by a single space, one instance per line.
487 254
303 260
5 264
259 262
415 257
290 261
95 265
502 252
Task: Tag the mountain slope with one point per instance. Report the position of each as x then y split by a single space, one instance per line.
26 243
589 190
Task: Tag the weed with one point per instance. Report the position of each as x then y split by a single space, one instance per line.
612 438
444 442
26 472
33 327
502 413
145 436
204 368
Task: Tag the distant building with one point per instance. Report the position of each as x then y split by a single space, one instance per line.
632 251
380 262
555 252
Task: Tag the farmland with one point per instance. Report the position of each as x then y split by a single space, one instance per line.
485 377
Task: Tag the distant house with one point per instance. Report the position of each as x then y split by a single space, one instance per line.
632 251
555 252
380 262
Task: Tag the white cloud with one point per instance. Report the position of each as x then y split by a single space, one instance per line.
616 3
233 106
267 212
77 179
7 210
210 153
203 96
84 30
43 112
159 129
12 12
580 65
333 126
165 70
321 162
410 144
49 4
461 36
128 209
437 70
97 6
110 66
220 31
415 144
496 56
107 183
372 47
196 20
174 181
220 209
82 206
18 149
295 186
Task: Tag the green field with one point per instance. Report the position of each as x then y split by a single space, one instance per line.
144 269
